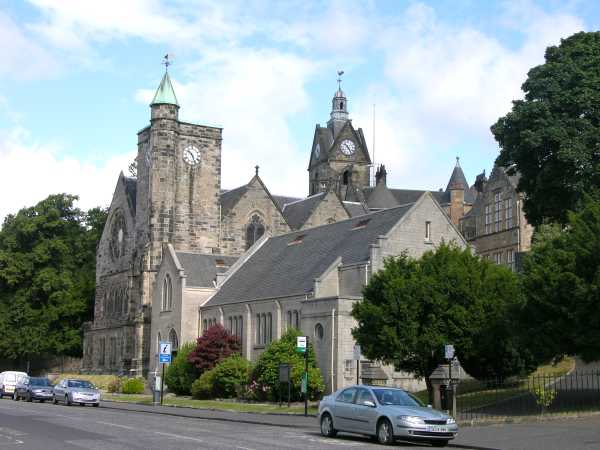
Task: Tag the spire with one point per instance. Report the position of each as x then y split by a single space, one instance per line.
457 180
339 104
165 93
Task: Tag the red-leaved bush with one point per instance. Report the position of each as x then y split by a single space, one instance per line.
215 344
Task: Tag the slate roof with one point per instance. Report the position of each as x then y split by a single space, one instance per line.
279 268
298 212
404 196
355 209
201 270
282 200
131 191
230 198
457 179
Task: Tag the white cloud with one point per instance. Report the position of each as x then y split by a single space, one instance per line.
30 172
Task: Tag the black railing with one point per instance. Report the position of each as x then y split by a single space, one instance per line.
534 395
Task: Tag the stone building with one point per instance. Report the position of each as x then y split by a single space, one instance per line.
496 225
175 217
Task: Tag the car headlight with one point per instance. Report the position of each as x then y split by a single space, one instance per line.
37 391
412 420
450 420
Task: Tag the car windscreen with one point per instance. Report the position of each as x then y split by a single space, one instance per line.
83 384
39 382
10 378
396 397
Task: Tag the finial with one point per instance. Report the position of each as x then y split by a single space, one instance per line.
256 170
457 161
339 80
166 62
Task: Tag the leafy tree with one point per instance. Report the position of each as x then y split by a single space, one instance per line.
266 371
562 286
204 387
215 344
230 375
181 373
47 277
412 308
552 136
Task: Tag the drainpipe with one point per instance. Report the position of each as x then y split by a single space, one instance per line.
332 346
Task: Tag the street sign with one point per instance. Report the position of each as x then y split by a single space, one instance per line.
164 355
304 386
284 373
356 353
301 344
449 351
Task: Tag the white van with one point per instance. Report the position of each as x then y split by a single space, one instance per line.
8 381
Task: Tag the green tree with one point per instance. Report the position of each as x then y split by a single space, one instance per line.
412 308
283 351
552 136
562 287
47 277
181 373
231 375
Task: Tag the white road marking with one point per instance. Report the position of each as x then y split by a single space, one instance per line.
178 436
245 448
116 425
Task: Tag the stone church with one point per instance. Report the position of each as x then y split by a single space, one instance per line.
179 253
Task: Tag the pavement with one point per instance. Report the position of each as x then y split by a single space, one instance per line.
34 426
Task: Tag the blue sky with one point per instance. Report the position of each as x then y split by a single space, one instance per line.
77 78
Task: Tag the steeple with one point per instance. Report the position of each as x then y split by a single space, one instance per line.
457 181
165 95
339 108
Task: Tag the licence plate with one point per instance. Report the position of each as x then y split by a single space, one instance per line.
437 429
9 389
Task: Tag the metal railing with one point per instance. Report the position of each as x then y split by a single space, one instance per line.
534 395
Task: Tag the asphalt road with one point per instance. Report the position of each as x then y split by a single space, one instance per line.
34 426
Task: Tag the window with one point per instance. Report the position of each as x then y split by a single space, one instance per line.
319 331
508 212
427 231
263 336
345 178
488 219
112 352
102 351
497 212
510 259
296 320
364 396
347 395
230 326
498 258
204 325
258 330
167 294
173 340
269 333
289 319
254 230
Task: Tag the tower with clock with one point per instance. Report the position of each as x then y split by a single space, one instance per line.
339 158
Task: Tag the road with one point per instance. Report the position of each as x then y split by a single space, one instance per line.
34 426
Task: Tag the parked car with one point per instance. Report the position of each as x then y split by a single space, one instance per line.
33 388
386 413
8 381
72 391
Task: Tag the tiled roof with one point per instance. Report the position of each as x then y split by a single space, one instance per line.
298 212
282 200
404 196
355 209
281 267
230 198
202 270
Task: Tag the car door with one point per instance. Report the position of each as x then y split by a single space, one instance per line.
365 411
344 409
59 390
22 387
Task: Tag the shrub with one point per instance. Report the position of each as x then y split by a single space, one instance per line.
213 346
231 375
181 373
114 385
204 387
266 372
133 386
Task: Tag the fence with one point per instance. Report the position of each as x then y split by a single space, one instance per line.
534 395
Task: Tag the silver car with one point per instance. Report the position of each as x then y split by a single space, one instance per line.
72 391
386 413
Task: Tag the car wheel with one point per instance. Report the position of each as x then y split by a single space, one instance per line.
42 401
385 432
29 398
55 400
67 400
327 426
96 404
437 443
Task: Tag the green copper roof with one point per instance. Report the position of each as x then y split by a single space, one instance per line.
165 92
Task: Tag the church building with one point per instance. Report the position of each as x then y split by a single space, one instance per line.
179 253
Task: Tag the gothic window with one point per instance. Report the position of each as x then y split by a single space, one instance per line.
296 320
345 178
173 340
258 330
341 105
319 331
254 230
118 235
167 294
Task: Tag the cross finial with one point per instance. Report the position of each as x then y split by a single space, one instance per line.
166 62
339 80
256 170
458 161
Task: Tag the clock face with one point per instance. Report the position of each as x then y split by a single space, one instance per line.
347 147
317 150
191 155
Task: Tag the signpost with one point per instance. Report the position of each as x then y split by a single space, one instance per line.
302 347
357 356
164 357
449 355
284 377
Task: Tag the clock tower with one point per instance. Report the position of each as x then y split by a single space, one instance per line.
339 158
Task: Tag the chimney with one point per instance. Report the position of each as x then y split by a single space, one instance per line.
381 175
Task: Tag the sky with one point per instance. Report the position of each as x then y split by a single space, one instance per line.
424 79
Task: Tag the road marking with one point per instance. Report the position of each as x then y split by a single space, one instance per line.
116 425
245 448
178 436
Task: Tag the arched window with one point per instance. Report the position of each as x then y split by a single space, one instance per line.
258 329
345 177
263 319
167 294
341 105
241 328
254 230
319 331
296 320
289 319
173 340
269 328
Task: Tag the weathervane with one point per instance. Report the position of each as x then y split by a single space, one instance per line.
339 80
166 62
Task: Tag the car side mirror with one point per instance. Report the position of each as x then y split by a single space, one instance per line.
369 403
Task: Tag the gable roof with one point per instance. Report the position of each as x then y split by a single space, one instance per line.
230 198
281 267
298 212
201 269
282 200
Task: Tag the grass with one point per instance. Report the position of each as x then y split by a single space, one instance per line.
215 404
100 381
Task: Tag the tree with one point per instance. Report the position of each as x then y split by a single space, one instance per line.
283 351
181 373
412 308
231 375
215 344
552 136
562 287
47 277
